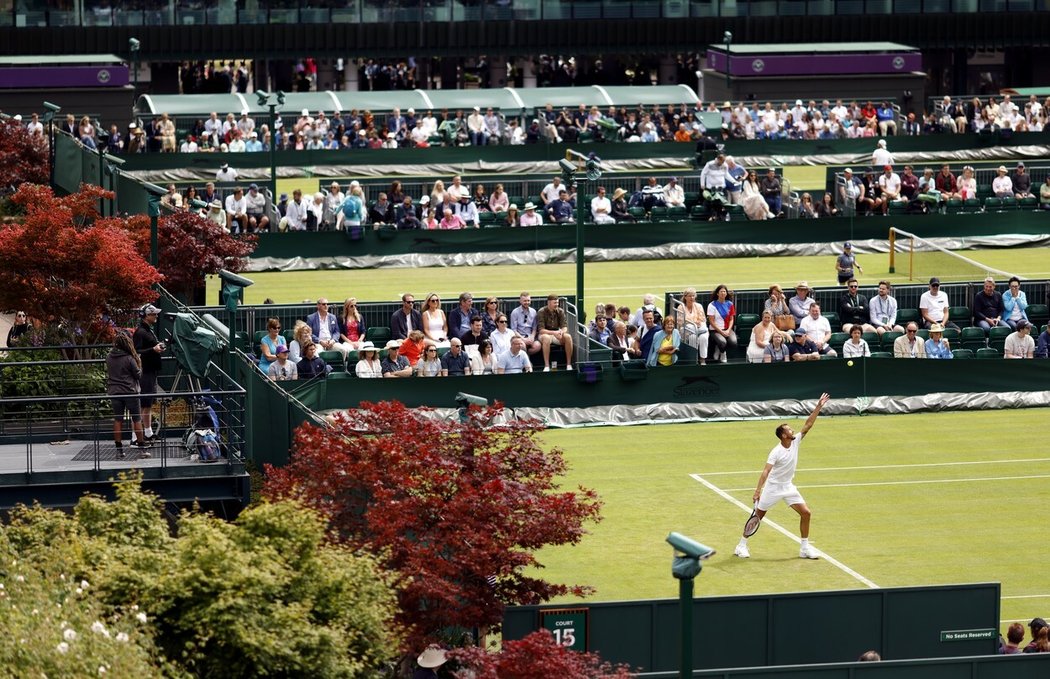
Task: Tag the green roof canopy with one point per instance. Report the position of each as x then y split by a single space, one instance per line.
506 99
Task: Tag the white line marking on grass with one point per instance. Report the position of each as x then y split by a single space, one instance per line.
909 483
896 466
1027 596
780 529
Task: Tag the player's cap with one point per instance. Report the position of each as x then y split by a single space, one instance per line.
1037 624
847 246
802 285
935 281
882 143
224 166
936 327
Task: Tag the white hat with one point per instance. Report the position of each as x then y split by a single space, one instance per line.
433 657
306 113
393 344
530 205
425 200
882 143
798 102
367 346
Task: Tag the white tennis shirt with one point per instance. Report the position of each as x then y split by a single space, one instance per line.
784 461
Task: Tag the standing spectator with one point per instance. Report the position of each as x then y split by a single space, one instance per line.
149 349
123 372
18 328
721 315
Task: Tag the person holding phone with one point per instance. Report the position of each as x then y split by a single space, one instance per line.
149 349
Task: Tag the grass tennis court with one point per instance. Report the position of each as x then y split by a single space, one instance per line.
900 500
618 282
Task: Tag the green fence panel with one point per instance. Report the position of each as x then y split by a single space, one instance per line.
69 168
1029 666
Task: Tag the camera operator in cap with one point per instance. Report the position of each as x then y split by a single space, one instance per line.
150 350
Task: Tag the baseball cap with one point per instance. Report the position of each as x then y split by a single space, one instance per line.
847 246
935 281
799 332
253 187
1020 164
1037 624
282 349
150 309
888 168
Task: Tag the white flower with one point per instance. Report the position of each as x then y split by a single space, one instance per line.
20 578
134 607
63 625
84 584
122 636
1 585
69 634
79 591
36 612
101 669
63 647
141 617
98 628
61 576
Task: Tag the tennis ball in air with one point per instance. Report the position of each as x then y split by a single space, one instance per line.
849 363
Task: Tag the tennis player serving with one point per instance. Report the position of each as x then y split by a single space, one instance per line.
777 483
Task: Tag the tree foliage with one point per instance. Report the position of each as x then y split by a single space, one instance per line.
265 595
67 267
22 158
536 655
458 510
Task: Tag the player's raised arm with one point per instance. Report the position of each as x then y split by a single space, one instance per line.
811 420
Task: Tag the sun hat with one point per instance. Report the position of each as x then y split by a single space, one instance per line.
936 327
530 206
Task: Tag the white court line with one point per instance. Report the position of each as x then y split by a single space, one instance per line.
895 466
780 529
908 483
1027 596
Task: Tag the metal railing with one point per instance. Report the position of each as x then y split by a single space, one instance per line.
192 13
55 417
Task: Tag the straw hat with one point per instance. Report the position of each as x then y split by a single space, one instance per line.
618 194
433 657
530 206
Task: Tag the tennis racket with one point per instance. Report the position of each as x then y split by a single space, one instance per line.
752 524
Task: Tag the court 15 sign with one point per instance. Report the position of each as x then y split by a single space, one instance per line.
568 625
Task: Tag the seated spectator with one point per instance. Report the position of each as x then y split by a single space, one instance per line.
560 210
353 325
405 214
691 320
512 218
1038 628
1022 182
530 217
664 348
937 346
405 319
869 656
459 319
871 199
909 345
269 344
412 348
475 335
368 363
806 210
295 213
311 365
255 208
1014 637
498 200
300 337
601 208
466 211
910 184
324 328
771 191
483 362
515 361
552 327
394 364
1019 343
882 310
282 369
1044 194
965 188
890 186
501 336
818 330
887 118
777 351
429 365
760 336
988 306
455 362
721 317
802 349
601 332
1042 349
620 213
451 221
801 301
236 211
1002 186
755 206
713 186
382 212
853 308
933 306
826 207
855 346
674 194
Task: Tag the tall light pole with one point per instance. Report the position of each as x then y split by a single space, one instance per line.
728 37
272 101
593 165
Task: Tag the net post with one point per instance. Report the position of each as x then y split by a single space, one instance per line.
893 248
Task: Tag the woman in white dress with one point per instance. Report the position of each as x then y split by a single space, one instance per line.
760 337
755 205
368 365
692 324
435 323
967 185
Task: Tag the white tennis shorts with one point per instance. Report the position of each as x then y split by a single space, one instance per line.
771 495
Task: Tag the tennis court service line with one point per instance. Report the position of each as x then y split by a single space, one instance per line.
894 466
780 529
909 483
1027 596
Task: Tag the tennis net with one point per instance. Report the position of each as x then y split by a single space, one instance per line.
922 259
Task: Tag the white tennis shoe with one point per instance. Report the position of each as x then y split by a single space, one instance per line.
807 552
742 552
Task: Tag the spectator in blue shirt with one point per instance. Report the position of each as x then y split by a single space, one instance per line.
937 346
561 210
887 119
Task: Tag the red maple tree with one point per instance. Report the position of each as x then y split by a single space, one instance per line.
458 510
22 158
536 655
66 267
